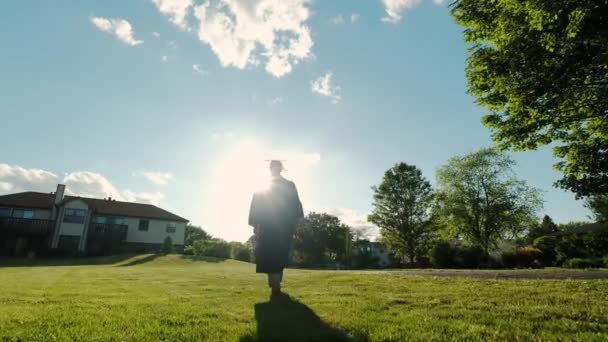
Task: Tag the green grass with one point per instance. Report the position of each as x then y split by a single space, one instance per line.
172 298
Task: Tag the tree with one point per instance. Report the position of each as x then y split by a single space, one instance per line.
240 251
541 69
482 201
546 227
168 245
321 238
401 210
194 233
598 205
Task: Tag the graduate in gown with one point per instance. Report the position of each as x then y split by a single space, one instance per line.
274 215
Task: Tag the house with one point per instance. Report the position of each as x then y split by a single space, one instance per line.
42 222
373 254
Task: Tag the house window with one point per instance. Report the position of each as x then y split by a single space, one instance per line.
110 220
171 228
143 225
23 213
74 215
5 212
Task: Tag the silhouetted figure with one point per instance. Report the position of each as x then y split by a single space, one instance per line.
274 215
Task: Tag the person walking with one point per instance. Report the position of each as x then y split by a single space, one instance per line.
274 215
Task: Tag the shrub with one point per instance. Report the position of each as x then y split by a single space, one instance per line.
442 255
167 246
242 254
570 247
583 263
216 248
547 244
472 257
522 257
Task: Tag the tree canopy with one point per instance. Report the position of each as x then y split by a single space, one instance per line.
401 210
541 69
321 238
482 201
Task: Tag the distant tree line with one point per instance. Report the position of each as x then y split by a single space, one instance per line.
479 215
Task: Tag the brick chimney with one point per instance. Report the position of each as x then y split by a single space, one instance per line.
59 193
58 198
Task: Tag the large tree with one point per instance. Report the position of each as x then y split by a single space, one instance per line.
546 227
321 238
482 201
541 69
598 204
194 233
401 210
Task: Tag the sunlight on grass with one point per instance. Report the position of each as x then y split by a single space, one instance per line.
180 298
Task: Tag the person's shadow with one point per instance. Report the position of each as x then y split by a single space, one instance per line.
286 319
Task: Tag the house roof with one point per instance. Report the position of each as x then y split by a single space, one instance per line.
42 200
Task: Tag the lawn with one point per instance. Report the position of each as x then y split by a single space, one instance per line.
175 298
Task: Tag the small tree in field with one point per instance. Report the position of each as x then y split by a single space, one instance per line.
482 201
401 210
168 245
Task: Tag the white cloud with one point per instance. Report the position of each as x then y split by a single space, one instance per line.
357 221
16 179
395 8
438 2
158 178
275 101
90 184
338 20
175 10
81 183
199 70
248 32
117 27
164 58
324 86
156 34
143 197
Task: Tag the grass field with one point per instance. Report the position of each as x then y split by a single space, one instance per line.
175 298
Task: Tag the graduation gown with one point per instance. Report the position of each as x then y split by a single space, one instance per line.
274 214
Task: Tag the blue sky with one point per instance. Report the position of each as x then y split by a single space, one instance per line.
181 110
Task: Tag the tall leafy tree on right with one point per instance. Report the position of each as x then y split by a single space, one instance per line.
480 200
541 69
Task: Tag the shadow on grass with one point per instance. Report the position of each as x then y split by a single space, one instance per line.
69 261
286 319
139 261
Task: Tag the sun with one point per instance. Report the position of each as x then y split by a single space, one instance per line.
241 173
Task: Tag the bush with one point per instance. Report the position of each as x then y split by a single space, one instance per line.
442 255
216 248
605 261
167 246
547 244
524 257
472 257
583 263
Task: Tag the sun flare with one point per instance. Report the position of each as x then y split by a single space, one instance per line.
242 172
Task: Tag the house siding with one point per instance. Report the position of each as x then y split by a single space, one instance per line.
70 228
156 233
